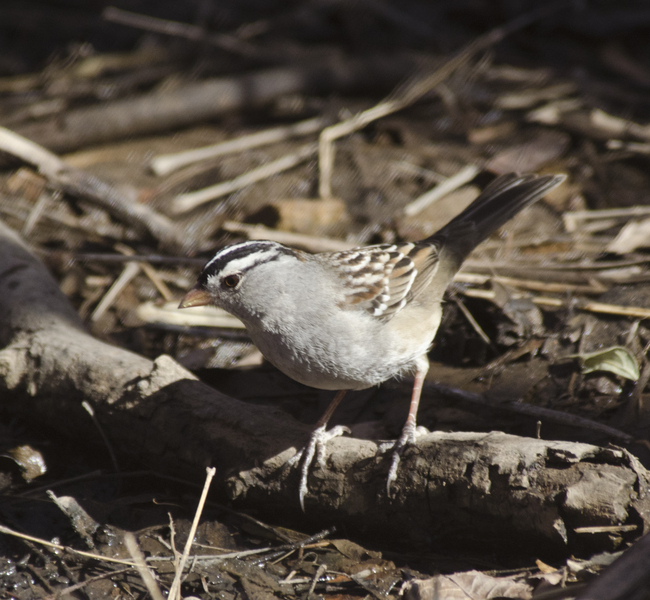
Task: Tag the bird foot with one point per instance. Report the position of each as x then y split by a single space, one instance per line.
316 446
410 433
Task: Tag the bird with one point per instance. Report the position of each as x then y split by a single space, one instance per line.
351 320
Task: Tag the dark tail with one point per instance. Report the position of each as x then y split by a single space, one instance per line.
498 203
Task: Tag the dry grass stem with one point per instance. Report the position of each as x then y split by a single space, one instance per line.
91 411
529 284
78 586
31 538
141 566
186 202
638 147
175 590
465 175
308 242
635 312
472 321
125 277
184 30
167 163
606 529
149 271
47 163
197 316
35 214
574 219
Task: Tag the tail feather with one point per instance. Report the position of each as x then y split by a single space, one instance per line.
496 205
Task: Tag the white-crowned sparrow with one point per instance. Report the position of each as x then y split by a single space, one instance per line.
351 320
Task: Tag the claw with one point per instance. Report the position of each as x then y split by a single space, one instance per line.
409 436
410 430
315 447
319 437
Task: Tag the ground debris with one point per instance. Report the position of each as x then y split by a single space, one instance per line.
324 126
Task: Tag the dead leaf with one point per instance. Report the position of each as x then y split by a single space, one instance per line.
30 460
635 234
472 585
617 360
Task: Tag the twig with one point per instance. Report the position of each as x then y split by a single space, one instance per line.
172 541
426 174
640 147
531 410
127 274
50 486
43 200
92 189
472 321
312 541
226 42
59 217
36 540
572 218
635 403
82 584
463 176
104 257
613 126
166 163
531 284
175 590
415 89
189 201
149 271
546 265
531 97
91 411
198 316
148 578
606 529
309 242
588 305
322 569
161 286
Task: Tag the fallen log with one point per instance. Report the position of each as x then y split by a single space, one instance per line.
197 102
466 490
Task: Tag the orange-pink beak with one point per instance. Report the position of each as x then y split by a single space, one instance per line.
195 297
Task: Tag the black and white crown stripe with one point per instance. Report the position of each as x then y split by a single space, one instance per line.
241 257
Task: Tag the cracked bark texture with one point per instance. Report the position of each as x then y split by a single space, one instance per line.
467 490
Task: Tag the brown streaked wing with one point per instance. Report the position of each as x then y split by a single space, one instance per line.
381 279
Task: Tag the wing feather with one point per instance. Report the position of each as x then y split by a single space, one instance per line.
381 279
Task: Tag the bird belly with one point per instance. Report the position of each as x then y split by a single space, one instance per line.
355 356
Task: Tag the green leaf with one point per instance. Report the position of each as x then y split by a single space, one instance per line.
617 360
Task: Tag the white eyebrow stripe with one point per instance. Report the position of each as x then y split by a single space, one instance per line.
239 265
225 252
249 248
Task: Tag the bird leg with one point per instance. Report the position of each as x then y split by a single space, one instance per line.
316 445
410 430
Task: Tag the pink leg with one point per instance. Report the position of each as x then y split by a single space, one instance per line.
316 445
409 429
411 420
327 415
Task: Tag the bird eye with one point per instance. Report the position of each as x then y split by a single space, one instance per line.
231 281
